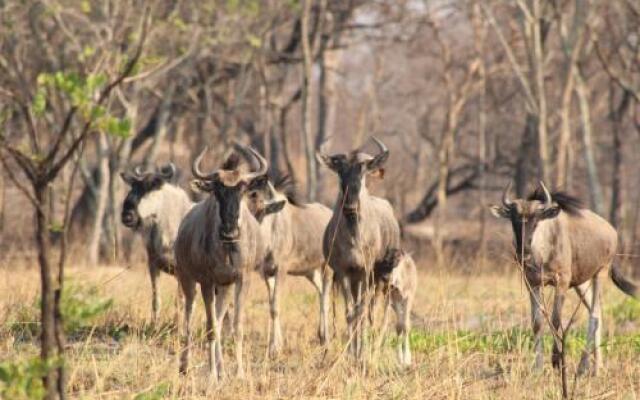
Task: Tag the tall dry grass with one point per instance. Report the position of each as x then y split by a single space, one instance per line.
470 340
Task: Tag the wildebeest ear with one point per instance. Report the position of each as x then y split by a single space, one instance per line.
499 211
275 207
201 185
332 162
550 212
127 178
377 173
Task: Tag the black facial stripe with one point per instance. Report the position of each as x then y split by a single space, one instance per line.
229 207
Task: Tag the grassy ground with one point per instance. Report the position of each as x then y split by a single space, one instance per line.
470 340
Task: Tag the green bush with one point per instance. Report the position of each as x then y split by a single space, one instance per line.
23 380
79 306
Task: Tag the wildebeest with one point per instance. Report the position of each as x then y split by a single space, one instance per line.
154 208
361 230
293 231
396 278
218 243
562 244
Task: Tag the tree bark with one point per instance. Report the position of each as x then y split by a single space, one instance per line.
616 115
47 311
102 152
595 189
307 96
525 164
538 56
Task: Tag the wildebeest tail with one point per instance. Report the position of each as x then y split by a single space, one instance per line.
623 283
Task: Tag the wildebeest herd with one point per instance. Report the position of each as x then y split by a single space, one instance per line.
253 221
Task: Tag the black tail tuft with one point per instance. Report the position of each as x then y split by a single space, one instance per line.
623 283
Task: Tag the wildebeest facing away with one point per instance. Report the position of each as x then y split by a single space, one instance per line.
361 231
396 278
218 243
564 245
154 208
293 232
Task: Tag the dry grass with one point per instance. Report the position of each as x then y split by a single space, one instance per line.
470 340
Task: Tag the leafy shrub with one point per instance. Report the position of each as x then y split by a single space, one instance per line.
23 380
79 306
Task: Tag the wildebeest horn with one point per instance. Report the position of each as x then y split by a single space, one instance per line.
547 195
262 167
195 167
506 200
139 173
383 149
167 171
323 147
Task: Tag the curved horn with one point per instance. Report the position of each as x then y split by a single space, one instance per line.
262 168
547 195
167 171
506 199
246 154
323 146
195 167
381 146
139 173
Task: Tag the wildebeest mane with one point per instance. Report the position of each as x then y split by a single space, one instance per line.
568 203
232 162
286 184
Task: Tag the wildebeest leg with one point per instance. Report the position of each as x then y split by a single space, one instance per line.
238 324
556 321
385 320
537 322
189 290
324 307
357 292
154 273
275 341
221 296
349 311
208 297
401 307
319 282
593 331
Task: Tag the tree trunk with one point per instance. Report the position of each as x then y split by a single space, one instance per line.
525 164
101 200
538 55
47 311
615 115
307 96
595 190
3 199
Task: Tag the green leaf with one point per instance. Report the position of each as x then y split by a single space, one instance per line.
40 102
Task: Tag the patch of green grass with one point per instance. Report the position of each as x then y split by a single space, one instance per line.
626 311
511 340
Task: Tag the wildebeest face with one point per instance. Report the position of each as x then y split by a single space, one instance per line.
264 199
228 185
141 186
352 171
525 216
